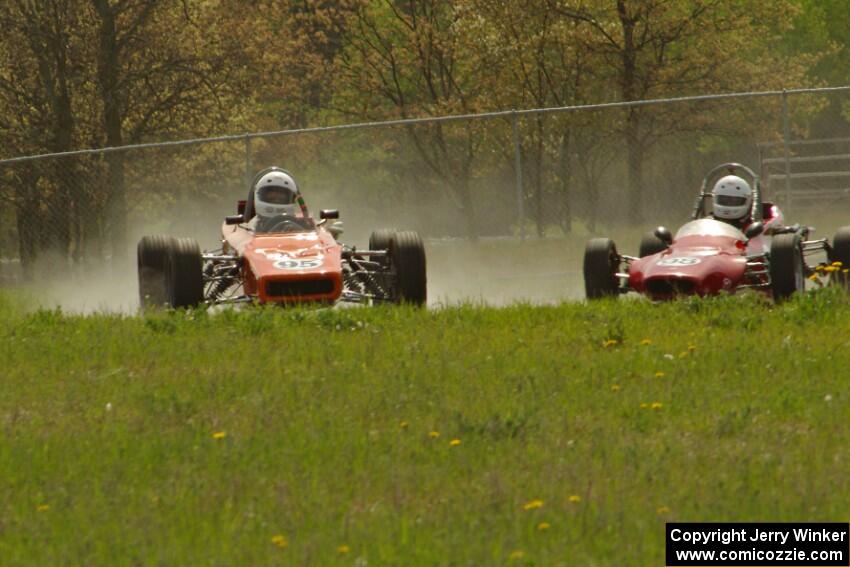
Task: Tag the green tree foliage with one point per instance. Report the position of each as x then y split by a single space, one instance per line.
82 73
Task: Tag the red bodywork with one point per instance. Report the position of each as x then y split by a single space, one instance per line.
287 267
700 262
701 265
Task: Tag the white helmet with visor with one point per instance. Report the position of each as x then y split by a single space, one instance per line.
732 197
275 194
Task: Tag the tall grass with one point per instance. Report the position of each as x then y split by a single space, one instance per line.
566 434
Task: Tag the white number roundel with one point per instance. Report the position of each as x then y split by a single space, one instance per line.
678 261
298 264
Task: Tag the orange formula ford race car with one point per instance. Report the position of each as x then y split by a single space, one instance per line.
273 251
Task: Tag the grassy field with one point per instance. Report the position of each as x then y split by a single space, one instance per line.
544 435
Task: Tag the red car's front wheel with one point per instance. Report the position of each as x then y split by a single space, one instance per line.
600 268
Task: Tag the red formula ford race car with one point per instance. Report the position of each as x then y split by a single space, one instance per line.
273 251
743 243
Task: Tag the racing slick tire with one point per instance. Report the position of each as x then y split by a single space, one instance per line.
183 274
651 244
787 270
841 253
600 268
380 240
151 254
407 254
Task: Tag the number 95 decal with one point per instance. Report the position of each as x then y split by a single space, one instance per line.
678 261
298 264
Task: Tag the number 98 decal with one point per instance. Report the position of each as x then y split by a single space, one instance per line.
298 264
678 261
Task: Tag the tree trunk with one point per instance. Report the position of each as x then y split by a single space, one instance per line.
49 45
60 212
107 74
565 217
628 85
635 157
27 219
462 190
538 178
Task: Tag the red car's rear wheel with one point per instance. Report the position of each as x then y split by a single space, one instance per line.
841 253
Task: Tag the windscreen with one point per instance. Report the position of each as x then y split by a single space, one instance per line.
281 224
709 227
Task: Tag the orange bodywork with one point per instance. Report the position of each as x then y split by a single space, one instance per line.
288 267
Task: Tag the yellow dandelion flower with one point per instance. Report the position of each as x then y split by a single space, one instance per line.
837 264
434 434
814 277
659 374
518 554
819 268
219 435
343 549
454 442
43 507
646 342
543 526
532 505
644 405
662 510
574 498
655 405
280 541
845 271
831 269
609 343
403 425
615 387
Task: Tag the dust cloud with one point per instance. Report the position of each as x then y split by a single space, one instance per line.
488 272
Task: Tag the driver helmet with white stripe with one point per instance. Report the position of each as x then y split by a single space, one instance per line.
732 197
275 194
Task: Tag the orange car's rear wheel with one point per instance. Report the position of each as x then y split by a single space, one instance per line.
183 274
407 254
380 240
151 254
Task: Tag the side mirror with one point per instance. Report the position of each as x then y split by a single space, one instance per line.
664 235
754 230
240 207
234 219
329 214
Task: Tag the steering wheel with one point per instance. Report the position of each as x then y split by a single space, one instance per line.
283 223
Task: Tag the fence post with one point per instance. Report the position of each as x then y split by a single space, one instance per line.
786 139
249 166
518 167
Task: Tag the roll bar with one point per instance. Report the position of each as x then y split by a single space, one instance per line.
730 168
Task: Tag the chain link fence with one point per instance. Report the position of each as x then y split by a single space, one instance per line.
518 174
